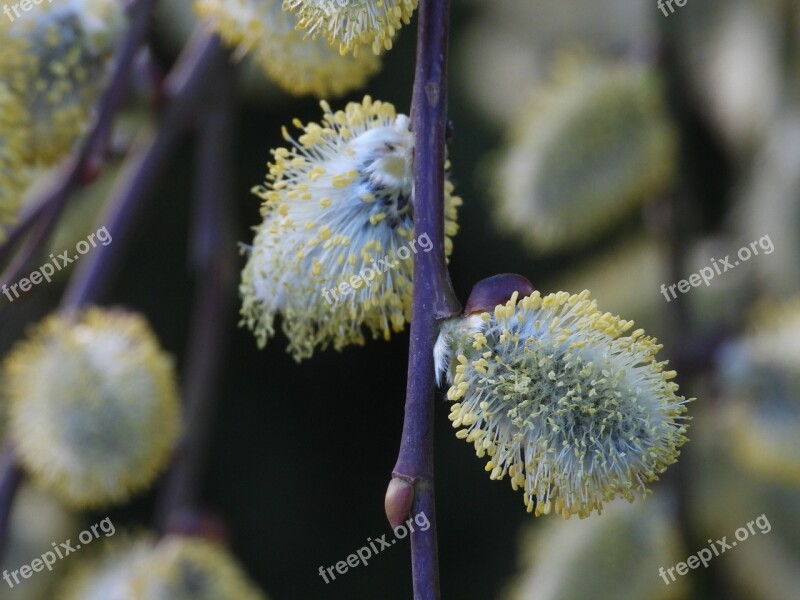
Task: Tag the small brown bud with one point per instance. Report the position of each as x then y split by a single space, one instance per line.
489 292
399 497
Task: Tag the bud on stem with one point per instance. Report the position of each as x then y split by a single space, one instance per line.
399 497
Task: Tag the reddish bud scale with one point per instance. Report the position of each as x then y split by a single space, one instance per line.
399 497
498 289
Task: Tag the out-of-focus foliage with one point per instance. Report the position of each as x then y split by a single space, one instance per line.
300 65
585 148
93 406
615 556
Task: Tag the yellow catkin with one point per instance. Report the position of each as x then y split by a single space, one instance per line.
93 406
574 411
349 270
353 24
262 30
582 153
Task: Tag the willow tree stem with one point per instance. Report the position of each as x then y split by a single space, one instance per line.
10 479
44 216
45 212
433 296
186 85
213 259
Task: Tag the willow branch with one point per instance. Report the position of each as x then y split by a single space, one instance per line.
10 479
186 85
213 259
44 214
190 79
433 294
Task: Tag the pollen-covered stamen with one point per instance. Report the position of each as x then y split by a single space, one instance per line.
334 254
55 62
351 24
94 411
13 178
571 410
263 30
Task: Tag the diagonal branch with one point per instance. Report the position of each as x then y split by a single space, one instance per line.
44 214
186 83
189 81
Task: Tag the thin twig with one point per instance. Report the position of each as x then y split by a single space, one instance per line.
433 294
45 212
213 259
29 216
88 282
92 275
10 478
